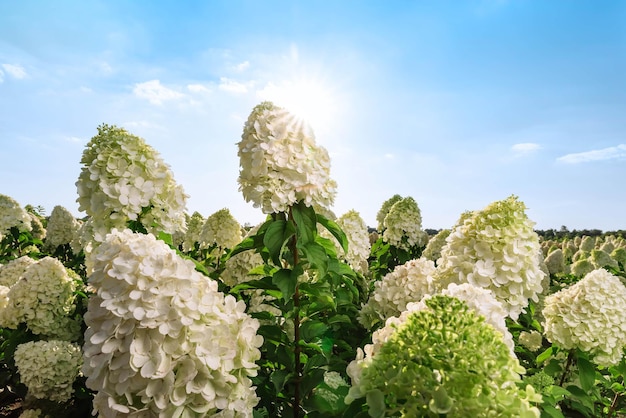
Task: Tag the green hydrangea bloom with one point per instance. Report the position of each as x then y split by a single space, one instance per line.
442 359
384 210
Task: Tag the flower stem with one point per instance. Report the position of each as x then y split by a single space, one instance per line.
296 325
570 358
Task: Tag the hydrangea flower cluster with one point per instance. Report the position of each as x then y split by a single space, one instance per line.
62 227
589 315
408 282
221 229
32 413
403 225
442 358
49 368
194 228
435 244
532 340
359 245
384 210
497 249
280 163
44 299
237 267
11 272
12 215
555 261
161 338
37 230
124 179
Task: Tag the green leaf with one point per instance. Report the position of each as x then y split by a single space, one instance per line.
316 256
586 373
335 230
550 411
278 378
376 402
166 238
544 356
304 217
312 329
276 236
285 281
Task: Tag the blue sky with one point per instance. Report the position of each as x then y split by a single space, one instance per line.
454 103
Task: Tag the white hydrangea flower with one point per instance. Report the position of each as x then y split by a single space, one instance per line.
384 210
496 249
532 340
124 179
601 258
11 272
194 229
44 298
162 338
12 215
49 368
483 302
357 234
280 163
237 267
403 225
221 229
407 283
589 315
32 413
37 229
555 261
435 244
587 244
62 227
582 267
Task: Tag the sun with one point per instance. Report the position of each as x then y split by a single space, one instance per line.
309 100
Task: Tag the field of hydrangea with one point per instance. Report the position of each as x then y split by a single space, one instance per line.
141 309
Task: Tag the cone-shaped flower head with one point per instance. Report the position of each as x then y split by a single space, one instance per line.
407 283
280 163
221 229
12 215
441 358
195 222
589 315
124 179
359 244
49 368
384 210
62 227
497 249
162 338
403 225
435 244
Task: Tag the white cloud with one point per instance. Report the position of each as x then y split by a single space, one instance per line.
155 92
232 86
242 66
16 71
611 153
525 148
198 88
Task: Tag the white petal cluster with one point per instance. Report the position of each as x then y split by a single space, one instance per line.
384 210
12 215
408 282
497 249
161 339
237 267
483 302
194 228
359 244
403 225
221 229
555 261
532 340
11 272
435 244
37 230
32 413
49 368
589 315
124 179
44 299
280 163
62 227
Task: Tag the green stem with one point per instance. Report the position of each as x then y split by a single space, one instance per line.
296 325
570 358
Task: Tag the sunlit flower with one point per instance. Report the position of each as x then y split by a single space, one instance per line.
48 368
195 222
403 225
280 163
600 258
435 244
124 179
11 272
497 249
221 229
589 315
44 299
384 210
619 255
587 244
37 230
407 283
162 338
555 261
357 234
582 267
62 227
441 358
12 215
